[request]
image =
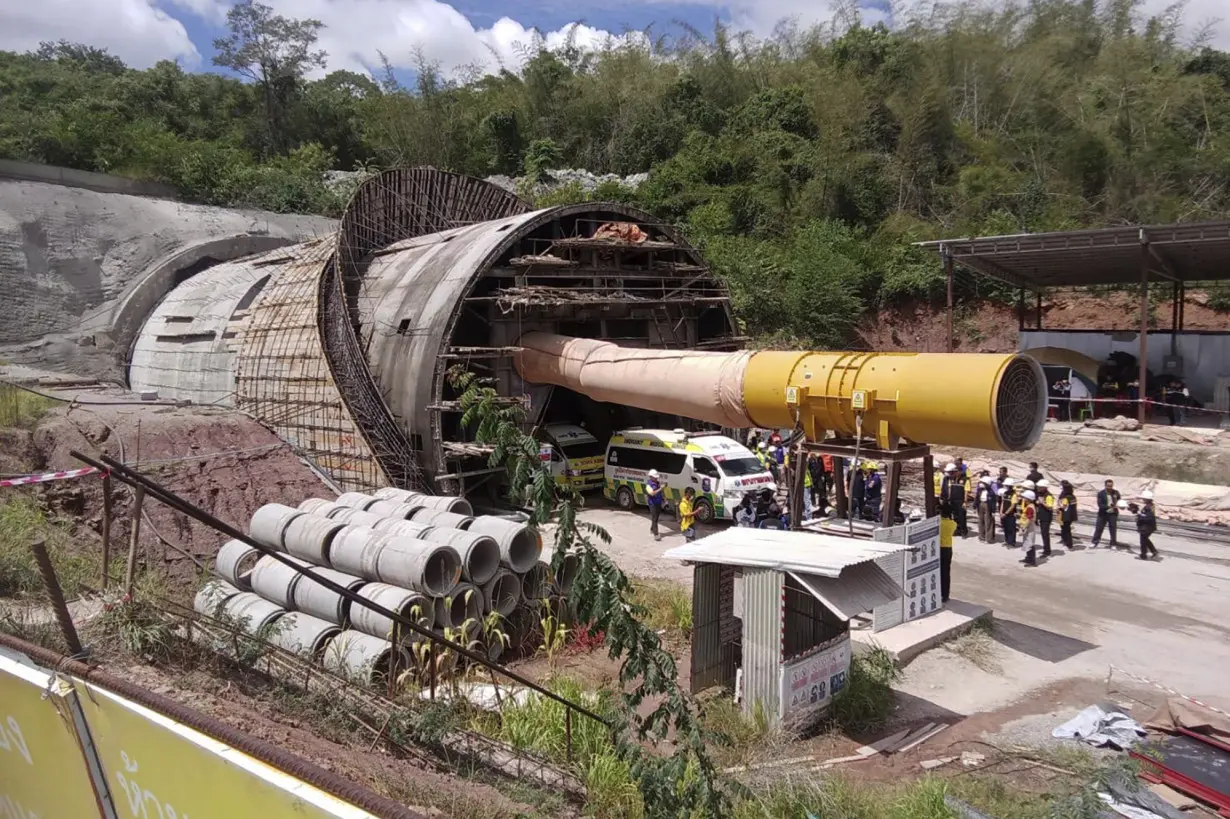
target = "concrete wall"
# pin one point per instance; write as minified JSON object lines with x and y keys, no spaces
{"x":70,"y":258}
{"x":1206,"y":355}
{"x":101,"y":182}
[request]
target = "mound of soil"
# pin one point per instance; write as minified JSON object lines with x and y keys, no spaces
{"x":220,"y":461}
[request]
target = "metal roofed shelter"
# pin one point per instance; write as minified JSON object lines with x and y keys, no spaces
{"x":1176,"y":254}
{"x":792,"y":640}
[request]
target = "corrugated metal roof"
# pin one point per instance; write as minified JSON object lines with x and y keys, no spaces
{"x":859,"y":589}
{"x":806,"y":552}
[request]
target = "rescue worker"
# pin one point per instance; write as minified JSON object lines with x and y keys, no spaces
{"x":986,"y":502}
{"x":1046,"y":514}
{"x":807,"y":486}
{"x":687,"y":514}
{"x":1146,"y":525}
{"x":654,"y":496}
{"x":1034,"y":475}
{"x":1067,"y":513}
{"x":858,"y":486}
{"x":1008,"y":512}
{"x":815,"y":471}
{"x":955,"y":490}
{"x":873,"y":487}
{"x":762,"y":455}
{"x":768,"y":513}
{"x":948,"y":527}
{"x":1108,"y":514}
{"x":1028,"y":522}
{"x":962,"y":467}
{"x":745,"y":512}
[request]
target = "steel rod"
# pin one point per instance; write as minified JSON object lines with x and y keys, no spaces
{"x":65,"y":619}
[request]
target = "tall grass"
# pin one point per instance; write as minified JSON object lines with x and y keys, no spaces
{"x":22,"y":521}
{"x":836,"y":797}
{"x":867,"y":700}
{"x":668,"y":605}
{"x":20,"y":408}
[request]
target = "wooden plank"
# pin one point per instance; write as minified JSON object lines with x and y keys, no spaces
{"x":885,"y":743}
{"x":1172,"y":797}
{"x":922,"y":738}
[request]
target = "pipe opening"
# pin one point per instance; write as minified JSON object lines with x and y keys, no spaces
{"x":1020,"y":404}
{"x":503,"y":593}
{"x":568,"y":569}
{"x":418,"y":610}
{"x":465,"y":603}
{"x":440,"y":571}
{"x":524,"y":549}
{"x":536,"y":583}
{"x":482,"y":560}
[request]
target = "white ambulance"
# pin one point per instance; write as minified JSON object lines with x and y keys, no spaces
{"x":574,"y":456}
{"x":720,"y":469}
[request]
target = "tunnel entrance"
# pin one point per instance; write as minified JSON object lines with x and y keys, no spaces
{"x":602,"y":420}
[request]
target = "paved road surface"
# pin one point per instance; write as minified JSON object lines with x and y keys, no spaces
{"x":1072,"y":617}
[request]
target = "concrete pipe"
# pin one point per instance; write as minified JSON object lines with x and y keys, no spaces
{"x":520,"y":545}
{"x":464,"y":604}
{"x":305,"y":635}
{"x":523,"y":627}
{"x":395,"y":494}
{"x":413,"y":606}
{"x":356,"y":499}
{"x":405,"y":528}
{"x":317,"y":506}
{"x":480,"y":554}
{"x":393,"y":509}
{"x":419,"y":565}
{"x":275,"y":581}
{"x":358,"y":656}
{"x":441,"y":519}
{"x":235,"y":562}
{"x":312,"y":598}
{"x":269,"y":523}
{"x":502,"y":593}
{"x":210,"y":598}
{"x":354,"y":551}
{"x":567,"y":573}
{"x":447,"y":503}
{"x":536,"y":583}
{"x":252,"y":613}
{"x":351,"y":516}
{"x":308,"y":537}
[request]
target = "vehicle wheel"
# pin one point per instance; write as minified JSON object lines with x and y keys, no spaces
{"x":704,"y":511}
{"x":625,"y":498}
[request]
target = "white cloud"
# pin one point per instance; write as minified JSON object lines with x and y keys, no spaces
{"x":134,"y":30}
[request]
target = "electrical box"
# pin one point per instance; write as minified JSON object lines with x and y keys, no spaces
{"x":1173,"y":365}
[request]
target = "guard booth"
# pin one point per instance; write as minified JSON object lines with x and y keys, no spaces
{"x":771,"y":615}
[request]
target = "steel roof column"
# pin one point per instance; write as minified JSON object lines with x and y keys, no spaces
{"x":1144,"y":327}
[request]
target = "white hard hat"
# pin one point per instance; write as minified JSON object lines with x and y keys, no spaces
{"x":1003,"y":490}
{"x":1009,"y":482}
{"x":950,"y":468}
{"x":916,"y":514}
{"x":1043,"y":484}
{"x":1122,"y":504}
{"x":653,"y":473}
{"x":1146,"y":495}
{"x":985,"y":479}
{"x":1027,"y":484}
{"x":1027,"y":495}
{"x":762,"y":445}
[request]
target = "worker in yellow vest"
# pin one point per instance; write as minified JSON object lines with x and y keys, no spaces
{"x":948,"y":528}
{"x":807,"y":484}
{"x":1046,"y":514}
{"x":687,"y":514}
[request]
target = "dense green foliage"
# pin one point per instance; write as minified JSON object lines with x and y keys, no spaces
{"x":803,"y":165}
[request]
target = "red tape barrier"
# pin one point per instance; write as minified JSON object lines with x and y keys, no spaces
{"x":44,"y":477}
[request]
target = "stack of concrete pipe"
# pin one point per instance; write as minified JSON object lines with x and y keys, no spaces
{"x":429,"y":558}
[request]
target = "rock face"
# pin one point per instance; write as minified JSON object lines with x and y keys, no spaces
{"x":567,"y":176}
{"x":71,"y":259}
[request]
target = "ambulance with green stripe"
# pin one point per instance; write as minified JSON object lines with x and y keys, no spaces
{"x":720,"y":469}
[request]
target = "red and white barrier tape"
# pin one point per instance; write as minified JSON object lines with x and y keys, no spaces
{"x":49,"y":476}
{"x":1160,"y":687}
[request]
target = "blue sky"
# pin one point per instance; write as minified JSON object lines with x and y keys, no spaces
{"x":453,"y":33}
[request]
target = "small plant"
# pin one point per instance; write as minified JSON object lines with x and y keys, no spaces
{"x":22,"y":522}
{"x":138,"y":628}
{"x":554,"y":633}
{"x":668,"y":606}
{"x":587,"y":638}
{"x":978,"y":647}
{"x":867,"y":700}
{"x":22,"y":408}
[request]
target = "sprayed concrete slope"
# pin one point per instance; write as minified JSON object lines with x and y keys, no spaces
{"x":81,"y":269}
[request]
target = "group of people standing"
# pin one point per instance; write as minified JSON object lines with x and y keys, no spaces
{"x":1027,"y":510}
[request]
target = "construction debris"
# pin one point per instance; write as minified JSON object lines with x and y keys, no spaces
{"x":932,"y":764}
{"x":922,"y":736}
{"x":972,"y":759}
{"x":1101,"y":725}
{"x":621,"y":232}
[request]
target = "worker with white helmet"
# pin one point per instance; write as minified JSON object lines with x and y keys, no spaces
{"x":1108,"y":514}
{"x":1008,"y":511}
{"x":1028,"y":523}
{"x":1046,"y":513}
{"x":1146,"y":525}
{"x":654,"y":496}
{"x":955,"y":491}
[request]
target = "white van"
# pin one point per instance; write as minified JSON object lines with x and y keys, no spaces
{"x":720,"y":469}
{"x":574,"y":456}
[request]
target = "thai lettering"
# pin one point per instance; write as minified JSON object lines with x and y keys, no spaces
{"x":10,"y":808}
{"x":12,"y":739}
{"x":141,"y":801}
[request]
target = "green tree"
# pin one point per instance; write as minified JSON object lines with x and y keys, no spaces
{"x":275,"y":52}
